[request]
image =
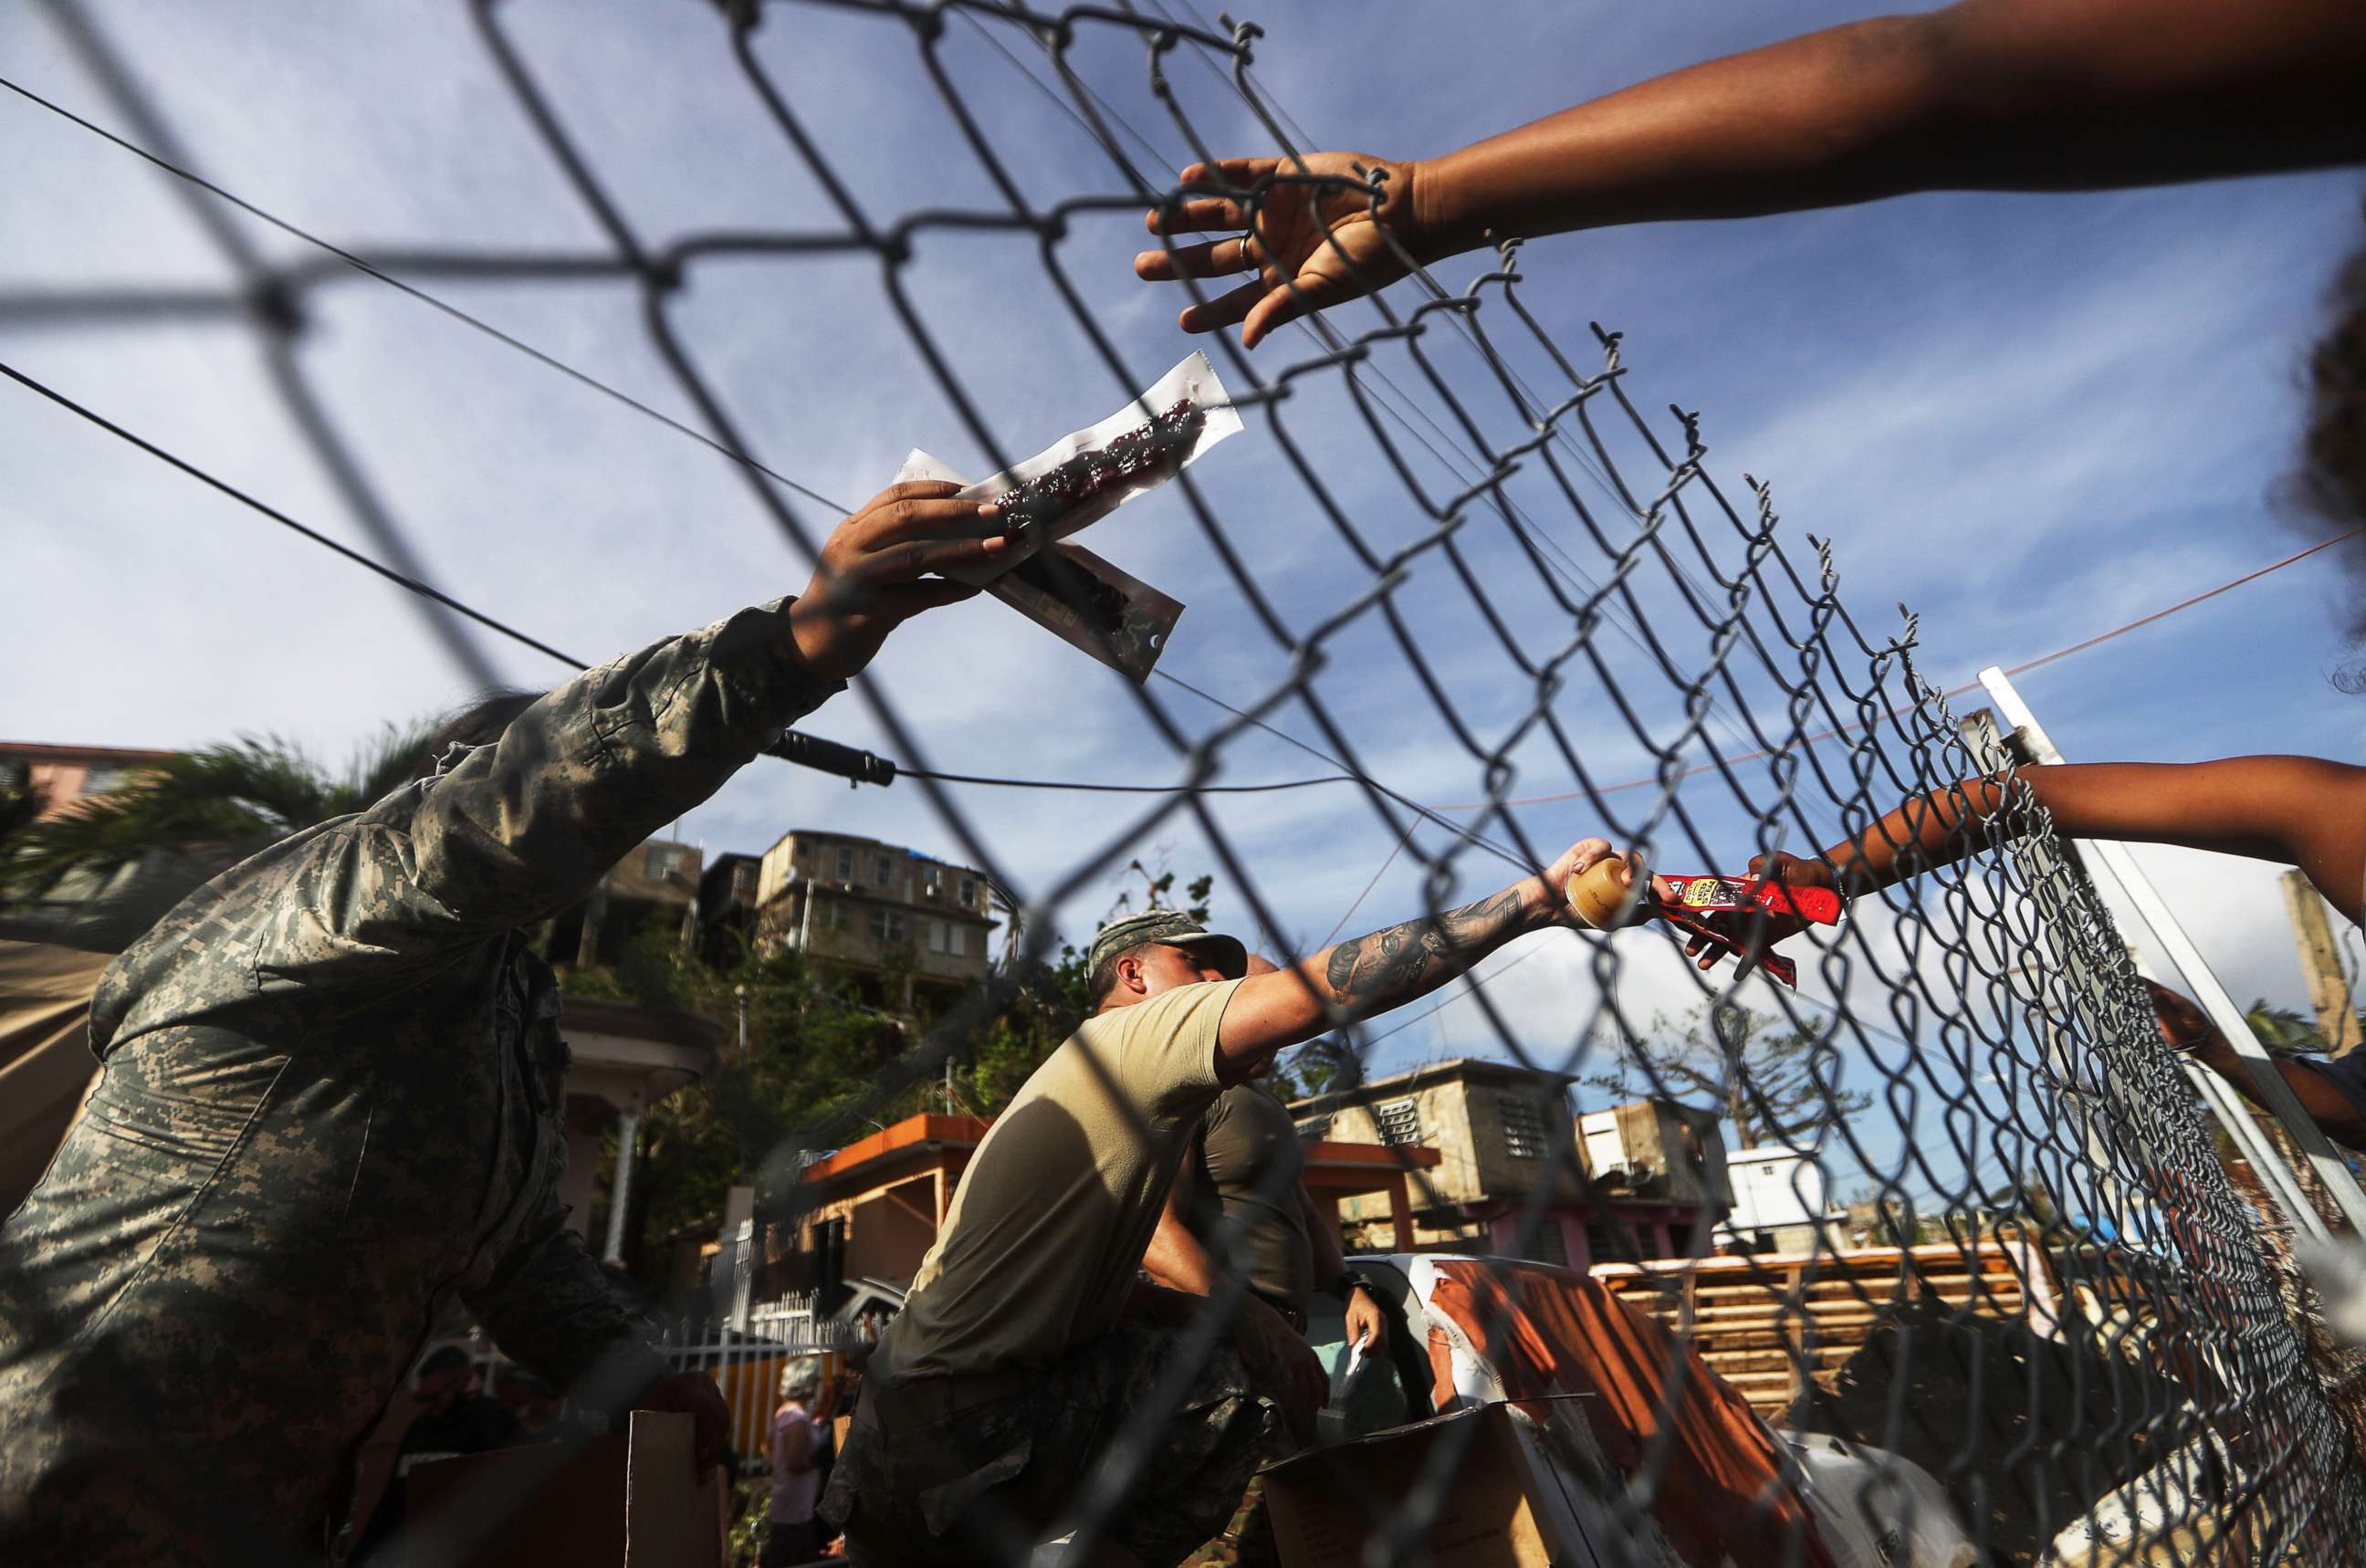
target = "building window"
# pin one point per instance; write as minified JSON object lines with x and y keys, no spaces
{"x":666,"y":861}
{"x":743,"y":881}
{"x":1524,"y":1129}
{"x":835,"y":915}
{"x":936,"y":936}
{"x":886,"y":870}
{"x":886,"y":926}
{"x":957,"y":941}
{"x":969,"y":892}
{"x":101,"y":777}
{"x":932,"y":882}
{"x":845,"y":863}
{"x":1549,"y":1246}
{"x":1399,"y":1121}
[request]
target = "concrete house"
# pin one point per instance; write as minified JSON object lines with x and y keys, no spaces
{"x":894,"y":918}
{"x":1508,"y":1139}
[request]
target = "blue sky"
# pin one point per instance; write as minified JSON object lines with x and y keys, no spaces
{"x":2030,"y":418}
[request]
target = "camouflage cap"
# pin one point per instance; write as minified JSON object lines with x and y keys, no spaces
{"x":1176,"y":929}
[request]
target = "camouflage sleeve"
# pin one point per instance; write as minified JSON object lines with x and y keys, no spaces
{"x":519,"y":831}
{"x":549,"y":1306}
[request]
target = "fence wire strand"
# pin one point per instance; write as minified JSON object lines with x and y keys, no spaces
{"x":1524,"y":511}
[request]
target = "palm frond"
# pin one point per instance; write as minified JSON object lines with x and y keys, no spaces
{"x":242,"y":795}
{"x":381,"y":768}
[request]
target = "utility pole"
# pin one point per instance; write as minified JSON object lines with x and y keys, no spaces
{"x":2320,"y":962}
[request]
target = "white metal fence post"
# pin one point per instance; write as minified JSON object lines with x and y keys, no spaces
{"x":2113,"y":861}
{"x":620,"y":1191}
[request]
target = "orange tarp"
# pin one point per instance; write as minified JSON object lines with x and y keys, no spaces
{"x":1720,"y":1492}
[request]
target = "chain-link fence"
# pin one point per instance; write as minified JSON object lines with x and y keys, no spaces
{"x":2054,"y":1313}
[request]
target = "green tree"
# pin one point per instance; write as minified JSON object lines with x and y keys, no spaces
{"x":1775,"y":1084}
{"x":815,"y":1056}
{"x":807,"y":1076}
{"x":2286,"y":1032}
{"x":221,"y":802}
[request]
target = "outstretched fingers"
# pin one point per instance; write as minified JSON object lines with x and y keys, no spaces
{"x":1211,"y":258}
{"x":1282,"y":306}
{"x":1198,"y":214}
{"x":1226,"y":309}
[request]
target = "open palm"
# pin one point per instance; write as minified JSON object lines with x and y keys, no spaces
{"x":1311,"y":244}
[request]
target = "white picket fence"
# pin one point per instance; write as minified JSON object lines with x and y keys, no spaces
{"x":747,"y":1352}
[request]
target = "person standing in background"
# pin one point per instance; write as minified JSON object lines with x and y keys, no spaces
{"x":793,"y":1531}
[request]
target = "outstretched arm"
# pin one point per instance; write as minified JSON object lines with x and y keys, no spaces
{"x":519,"y":830}
{"x":1369,"y":974}
{"x":2302,"y":811}
{"x":2187,"y":1029}
{"x":2023,"y":95}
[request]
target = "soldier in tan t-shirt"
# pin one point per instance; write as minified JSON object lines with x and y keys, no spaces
{"x":1034,"y":1377}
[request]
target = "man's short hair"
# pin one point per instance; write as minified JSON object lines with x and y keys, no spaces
{"x":800,"y":1380}
{"x":1103,"y":980}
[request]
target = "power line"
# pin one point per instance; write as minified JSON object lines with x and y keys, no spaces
{"x":413,"y":583}
{"x":1125,"y":788}
{"x":1348,"y":775}
{"x":504,"y":628}
{"x":424,"y":297}
{"x":1810,"y":739}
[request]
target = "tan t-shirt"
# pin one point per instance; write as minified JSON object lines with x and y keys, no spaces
{"x":1249,"y":1149}
{"x":1046,"y":1233}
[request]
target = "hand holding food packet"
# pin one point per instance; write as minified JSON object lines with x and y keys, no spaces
{"x":1076,"y":481}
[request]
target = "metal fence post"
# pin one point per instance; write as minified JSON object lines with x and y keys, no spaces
{"x":2114,"y":861}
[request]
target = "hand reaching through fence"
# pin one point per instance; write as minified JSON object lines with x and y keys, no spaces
{"x":2300,"y":812}
{"x":2333,"y":1092}
{"x":2005,"y":95}
{"x":1321,"y":229}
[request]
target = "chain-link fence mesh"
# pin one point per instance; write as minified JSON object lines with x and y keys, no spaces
{"x":2056,"y":1304}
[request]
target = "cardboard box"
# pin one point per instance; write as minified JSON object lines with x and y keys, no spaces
{"x":628,"y":1502}
{"x":1501,"y":1507}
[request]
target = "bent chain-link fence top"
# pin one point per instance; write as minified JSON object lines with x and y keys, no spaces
{"x":1593,"y":635}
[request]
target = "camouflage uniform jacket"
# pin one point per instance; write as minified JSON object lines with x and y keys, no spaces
{"x":331,"y":1097}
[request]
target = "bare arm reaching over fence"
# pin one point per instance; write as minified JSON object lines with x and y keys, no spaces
{"x":2187,"y":1029}
{"x":1997,"y":94}
{"x":2303,"y":811}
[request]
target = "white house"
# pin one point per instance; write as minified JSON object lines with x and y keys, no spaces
{"x":1780,"y":1200}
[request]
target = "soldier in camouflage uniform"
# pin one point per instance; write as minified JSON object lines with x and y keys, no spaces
{"x":331,"y":1097}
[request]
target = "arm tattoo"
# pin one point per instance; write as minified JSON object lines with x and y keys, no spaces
{"x":1371,"y":974}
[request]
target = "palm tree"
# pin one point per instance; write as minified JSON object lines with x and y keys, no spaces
{"x":2286,"y":1032}
{"x":211,"y":806}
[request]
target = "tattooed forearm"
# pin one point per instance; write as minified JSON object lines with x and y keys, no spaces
{"x":1370,"y":974}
